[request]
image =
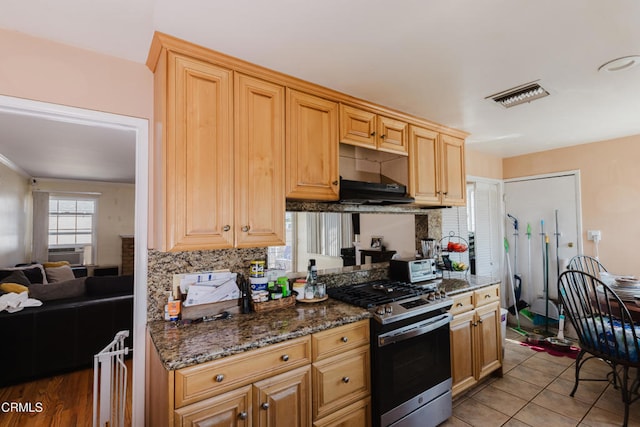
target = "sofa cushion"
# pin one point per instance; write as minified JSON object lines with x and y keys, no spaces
{"x":58,"y":290}
{"x":18,"y":277}
{"x":54,"y":264}
{"x":109,"y":285}
{"x":59,"y":274}
{"x":13,"y":287}
{"x":34,"y":272}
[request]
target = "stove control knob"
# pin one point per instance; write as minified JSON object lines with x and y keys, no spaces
{"x":431,"y":296}
{"x":380,"y":310}
{"x":388,"y":309}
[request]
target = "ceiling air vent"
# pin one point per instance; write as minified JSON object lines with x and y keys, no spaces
{"x":519,"y":95}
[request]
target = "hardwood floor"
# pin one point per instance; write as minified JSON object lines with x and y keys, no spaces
{"x":62,"y":400}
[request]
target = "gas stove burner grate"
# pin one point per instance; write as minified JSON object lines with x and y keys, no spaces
{"x":373,"y":294}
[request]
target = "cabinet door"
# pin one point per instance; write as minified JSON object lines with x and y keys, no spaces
{"x":392,"y":135}
{"x":311,"y":147}
{"x":454,"y":180}
{"x":462,"y":333}
{"x":283,"y":400}
{"x":198,"y":156}
{"x":228,"y":409}
{"x":489,"y":343}
{"x":357,"y":127}
{"x":259,"y":162}
{"x":424,"y":168}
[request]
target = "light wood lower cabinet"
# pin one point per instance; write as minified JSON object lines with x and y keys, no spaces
{"x":320,"y":379}
{"x":476,"y":344}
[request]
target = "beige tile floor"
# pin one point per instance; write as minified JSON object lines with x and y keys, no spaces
{"x":534,"y":391}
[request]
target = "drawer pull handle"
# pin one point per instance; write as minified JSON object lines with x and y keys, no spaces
{"x":265,"y":406}
{"x":345,"y":380}
{"x":219,"y":378}
{"x":285,"y":357}
{"x":345,"y":339}
{"x":226,"y":228}
{"x":459,"y":304}
{"x":242,"y":415}
{"x":487,"y":296}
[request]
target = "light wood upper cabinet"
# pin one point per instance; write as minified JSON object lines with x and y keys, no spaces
{"x":219,"y":164}
{"x":197,"y":155}
{"x":311,"y":147}
{"x":259,"y":162}
{"x":366,"y":129}
{"x":436,"y":168}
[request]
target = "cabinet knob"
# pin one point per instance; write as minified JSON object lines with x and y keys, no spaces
{"x":474,"y":324}
{"x":445,"y":193}
{"x":242,"y":415}
{"x":383,"y":136}
{"x":265,"y":406}
{"x":480,"y":321}
{"x":226,"y":228}
{"x":373,"y":133}
{"x":345,"y":339}
{"x":219,"y":378}
{"x":245,"y":228}
{"x":334,"y":183}
{"x":345,"y":380}
{"x":285,"y":357}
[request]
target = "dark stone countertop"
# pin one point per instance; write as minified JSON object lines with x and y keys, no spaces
{"x":186,"y":345}
{"x":458,"y":286}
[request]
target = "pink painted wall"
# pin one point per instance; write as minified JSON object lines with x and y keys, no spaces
{"x":43,"y":70}
{"x":483,"y":165}
{"x":610,"y":191}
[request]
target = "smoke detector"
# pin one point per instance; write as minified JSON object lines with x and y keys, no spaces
{"x":519,"y":95}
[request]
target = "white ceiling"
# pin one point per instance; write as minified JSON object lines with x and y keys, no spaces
{"x":438,"y":59}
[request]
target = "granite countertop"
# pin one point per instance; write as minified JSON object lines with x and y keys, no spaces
{"x":186,"y":345}
{"x":458,"y":286}
{"x":180,"y":346}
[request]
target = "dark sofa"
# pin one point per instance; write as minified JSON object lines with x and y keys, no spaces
{"x":64,"y":334}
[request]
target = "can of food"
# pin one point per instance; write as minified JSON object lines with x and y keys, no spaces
{"x":256,"y":268}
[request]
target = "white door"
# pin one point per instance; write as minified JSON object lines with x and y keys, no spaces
{"x":532,"y":200}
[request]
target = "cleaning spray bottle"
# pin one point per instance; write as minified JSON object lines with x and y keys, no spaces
{"x":561,"y":324}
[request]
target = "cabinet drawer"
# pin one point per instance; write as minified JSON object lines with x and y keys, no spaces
{"x":340,"y":381}
{"x":338,"y":340}
{"x":201,"y":381}
{"x":487,"y":295}
{"x":355,"y":415}
{"x":462,"y":303}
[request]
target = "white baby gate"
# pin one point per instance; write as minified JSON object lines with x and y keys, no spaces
{"x":110,"y":383}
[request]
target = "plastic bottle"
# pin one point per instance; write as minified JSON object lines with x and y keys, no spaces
{"x":312,"y":279}
{"x":173,"y":307}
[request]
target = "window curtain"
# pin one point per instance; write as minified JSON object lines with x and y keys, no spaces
{"x":328,"y":232}
{"x":40,"y":240}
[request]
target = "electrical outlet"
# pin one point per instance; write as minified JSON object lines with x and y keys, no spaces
{"x":594,"y":235}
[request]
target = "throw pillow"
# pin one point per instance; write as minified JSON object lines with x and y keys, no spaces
{"x":59,"y":274}
{"x":18,"y":277}
{"x":13,"y":287}
{"x":109,"y":285}
{"x":54,"y":264}
{"x":34,"y":272}
{"x":59,"y":290}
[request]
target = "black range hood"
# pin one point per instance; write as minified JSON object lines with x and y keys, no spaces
{"x":372,"y":193}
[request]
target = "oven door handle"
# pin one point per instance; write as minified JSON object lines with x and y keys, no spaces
{"x":411,"y":331}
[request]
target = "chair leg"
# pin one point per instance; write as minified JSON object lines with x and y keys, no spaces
{"x":626,"y":398}
{"x":578,"y":359}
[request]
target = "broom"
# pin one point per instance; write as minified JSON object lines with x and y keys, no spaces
{"x":517,"y":329}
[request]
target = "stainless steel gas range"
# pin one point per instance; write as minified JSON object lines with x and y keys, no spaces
{"x":410,"y":356}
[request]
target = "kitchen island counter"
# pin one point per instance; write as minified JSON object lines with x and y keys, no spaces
{"x":458,"y":286}
{"x":186,"y":345}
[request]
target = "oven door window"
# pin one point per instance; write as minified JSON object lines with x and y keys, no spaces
{"x":407,"y":368}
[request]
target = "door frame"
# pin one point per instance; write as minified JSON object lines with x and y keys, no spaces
{"x":140,"y":126}
{"x":576,"y":174}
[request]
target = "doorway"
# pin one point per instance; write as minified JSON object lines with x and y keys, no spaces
{"x":141,"y":128}
{"x":535,"y":201}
